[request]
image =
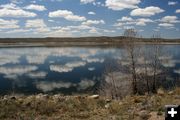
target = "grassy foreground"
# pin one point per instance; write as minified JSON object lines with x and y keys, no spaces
{"x":58,"y":107}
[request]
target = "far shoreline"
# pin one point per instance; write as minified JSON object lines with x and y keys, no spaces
{"x":82,"y":41}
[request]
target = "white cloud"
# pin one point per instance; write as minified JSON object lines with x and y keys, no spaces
{"x":98,"y":4}
{"x":91,"y":13}
{"x":68,"y":15}
{"x":84,"y":84}
{"x":130,"y":21}
{"x":93,"y":31}
{"x":169,"y":63}
{"x":60,"y":68}
{"x":6,"y":58}
{"x":17,"y":1}
{"x":172,"y":3}
{"x":95,"y":22}
{"x":166,"y":25}
{"x":18,"y":31}
{"x":68,"y":67}
{"x":36,"y":59}
{"x":143,"y":21}
{"x":75,"y":64}
{"x":46,"y":86}
{"x":122,"y":4}
{"x":178,"y":11}
{"x":8,"y":24}
{"x":91,"y":68}
{"x":93,"y":60}
{"x":87,"y":1}
{"x":17,"y":69}
{"x":177,"y":71}
{"x":33,"y":1}
{"x":11,"y":10}
{"x":125,"y":19}
{"x":128,"y":27}
{"x":170,"y":19}
{"x":35,"y":7}
{"x":108,"y":31}
{"x":39,"y":74}
{"x":146,"y":12}
{"x":36,"y":23}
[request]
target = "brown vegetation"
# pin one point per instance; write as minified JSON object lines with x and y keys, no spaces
{"x":48,"y":107}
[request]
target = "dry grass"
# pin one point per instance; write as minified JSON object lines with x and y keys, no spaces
{"x":82,"y":108}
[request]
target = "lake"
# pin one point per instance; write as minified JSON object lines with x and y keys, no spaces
{"x":67,"y":70}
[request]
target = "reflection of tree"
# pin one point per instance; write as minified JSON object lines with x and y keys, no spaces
{"x":141,"y":65}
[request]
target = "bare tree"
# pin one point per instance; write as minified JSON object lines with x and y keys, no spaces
{"x":156,"y":61}
{"x":130,"y":47}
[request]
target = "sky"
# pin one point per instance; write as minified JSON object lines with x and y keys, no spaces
{"x":81,"y":18}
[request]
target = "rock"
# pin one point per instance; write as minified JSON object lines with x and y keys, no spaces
{"x":120,"y":103}
{"x":154,"y":116}
{"x":177,"y":96}
{"x":42,"y":97}
{"x":94,"y":96}
{"x":5,"y":97}
{"x":108,"y":100}
{"x":144,"y":114}
{"x":13,"y":98}
{"x":107,"y":106}
{"x":170,"y":93}
{"x":160,"y":92}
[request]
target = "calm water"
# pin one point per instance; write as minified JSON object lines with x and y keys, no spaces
{"x":63,"y":69}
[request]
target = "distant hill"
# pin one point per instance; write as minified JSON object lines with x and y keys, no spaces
{"x":53,"y":41}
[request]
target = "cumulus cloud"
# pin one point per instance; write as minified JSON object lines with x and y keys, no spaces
{"x":17,"y":69}
{"x":75,"y":64}
{"x":91,"y":13}
{"x":94,"y":31}
{"x":95,"y":22}
{"x":18,"y":31}
{"x":11,"y":10}
{"x":39,"y":74}
{"x":125,"y":19}
{"x":172,"y":2}
{"x":68,"y":67}
{"x":60,"y":68}
{"x":143,"y":21}
{"x":130,"y":21}
{"x":87,"y":1}
{"x":91,"y":68}
{"x":84,"y":84}
{"x":169,"y":63}
{"x":35,"y":7}
{"x":8,"y":58}
{"x":91,"y":60}
{"x":36,"y":23}
{"x":38,"y":26}
{"x":9,"y":24}
{"x":170,"y":19}
{"x":122,"y":4}
{"x":178,"y":11}
{"x":36,"y":59}
{"x":68,"y":15}
{"x":146,"y":12}
{"x":46,"y":86}
{"x":17,"y":1}
{"x":177,"y":71}
{"x":140,"y":70}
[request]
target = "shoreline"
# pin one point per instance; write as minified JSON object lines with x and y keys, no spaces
{"x":82,"y":41}
{"x":82,"y":44}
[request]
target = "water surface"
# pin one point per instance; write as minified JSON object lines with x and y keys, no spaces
{"x":67,"y":70}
